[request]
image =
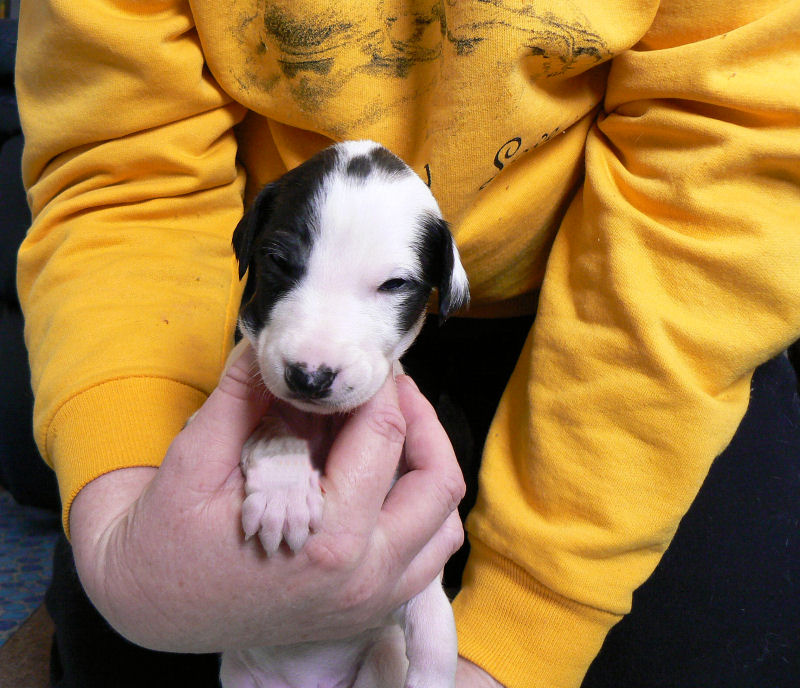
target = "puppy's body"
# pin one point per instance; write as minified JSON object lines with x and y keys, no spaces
{"x":343,"y":253}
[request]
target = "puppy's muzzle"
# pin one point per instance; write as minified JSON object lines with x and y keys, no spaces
{"x":309,"y":384}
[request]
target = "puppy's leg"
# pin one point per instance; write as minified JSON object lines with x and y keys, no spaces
{"x":431,"y":643}
{"x":283,"y":495}
{"x":234,"y":672}
{"x":244,"y":669}
{"x":385,"y":665}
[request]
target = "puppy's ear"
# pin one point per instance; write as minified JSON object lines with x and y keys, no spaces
{"x":452,"y":283}
{"x":252,"y":222}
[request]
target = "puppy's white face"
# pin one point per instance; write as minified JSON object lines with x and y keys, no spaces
{"x":343,"y":253}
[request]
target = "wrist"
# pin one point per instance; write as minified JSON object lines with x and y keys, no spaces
{"x":96,"y":511}
{"x":469,"y":675}
{"x":114,"y":425}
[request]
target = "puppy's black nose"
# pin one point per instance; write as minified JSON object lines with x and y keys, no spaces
{"x":309,"y":384}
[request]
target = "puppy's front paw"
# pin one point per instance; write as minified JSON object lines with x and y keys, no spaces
{"x":283,"y":495}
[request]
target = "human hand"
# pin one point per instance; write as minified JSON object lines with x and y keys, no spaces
{"x":162,"y":555}
{"x":469,"y":675}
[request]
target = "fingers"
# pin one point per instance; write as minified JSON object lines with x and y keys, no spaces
{"x":240,"y":400}
{"x":415,"y":528}
{"x":364,"y":456}
{"x":430,"y":560}
{"x":208,"y":449}
{"x":425,"y":497}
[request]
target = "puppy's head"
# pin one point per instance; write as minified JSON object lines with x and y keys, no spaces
{"x":342,"y":254}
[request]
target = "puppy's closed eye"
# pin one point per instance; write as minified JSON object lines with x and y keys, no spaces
{"x":282,"y":263}
{"x":394,"y":285}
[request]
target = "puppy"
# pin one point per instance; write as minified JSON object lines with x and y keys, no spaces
{"x":343,"y":253}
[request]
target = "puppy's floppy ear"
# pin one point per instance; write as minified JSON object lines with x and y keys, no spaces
{"x":452,"y":283}
{"x":252,"y":222}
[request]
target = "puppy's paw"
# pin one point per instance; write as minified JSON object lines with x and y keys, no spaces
{"x":283,"y":495}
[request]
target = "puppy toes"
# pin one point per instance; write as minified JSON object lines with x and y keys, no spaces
{"x":252,"y":511}
{"x":298,"y":525}
{"x":284,"y":499}
{"x":315,"y":502}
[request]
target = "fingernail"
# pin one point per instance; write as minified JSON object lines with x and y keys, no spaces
{"x":397,"y":370}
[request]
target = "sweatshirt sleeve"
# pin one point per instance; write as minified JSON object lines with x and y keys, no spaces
{"x":126,"y":277}
{"x":673,"y":275}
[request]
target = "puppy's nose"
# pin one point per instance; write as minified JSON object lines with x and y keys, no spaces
{"x":309,"y":384}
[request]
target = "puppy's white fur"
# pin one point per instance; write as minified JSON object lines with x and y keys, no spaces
{"x":342,"y":314}
{"x":337,"y":316}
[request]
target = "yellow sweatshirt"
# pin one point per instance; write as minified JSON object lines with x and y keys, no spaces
{"x":638,"y":161}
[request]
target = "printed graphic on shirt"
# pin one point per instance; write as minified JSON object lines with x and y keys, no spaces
{"x":463,"y":91}
{"x":316,"y":52}
{"x":550,"y":45}
{"x":510,"y":149}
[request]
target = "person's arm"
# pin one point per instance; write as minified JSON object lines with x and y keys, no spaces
{"x":162,"y":555}
{"x":673,"y":276}
{"x":130,"y":294}
{"x":126,"y":277}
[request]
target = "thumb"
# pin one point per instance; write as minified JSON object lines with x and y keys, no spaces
{"x":216,"y":433}
{"x":364,"y":456}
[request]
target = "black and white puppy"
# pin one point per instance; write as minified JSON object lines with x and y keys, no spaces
{"x":342,"y":255}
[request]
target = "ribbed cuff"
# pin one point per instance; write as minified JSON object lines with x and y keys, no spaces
{"x":118,"y":424}
{"x":520,"y":632}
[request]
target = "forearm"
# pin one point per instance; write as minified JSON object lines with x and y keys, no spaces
{"x":126,"y":276}
{"x":94,"y":520}
{"x":469,"y":675}
{"x":672,"y":277}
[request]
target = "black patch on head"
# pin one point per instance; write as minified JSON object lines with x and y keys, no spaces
{"x":360,"y":166}
{"x":388,"y":162}
{"x":379,"y":159}
{"x":273,"y":240}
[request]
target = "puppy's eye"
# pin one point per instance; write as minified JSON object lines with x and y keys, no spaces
{"x":393,"y":285}
{"x":281,"y":262}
